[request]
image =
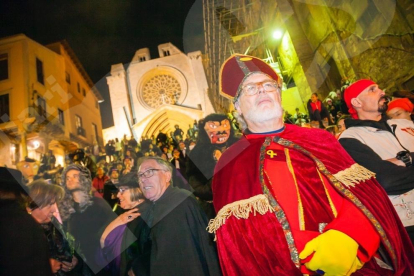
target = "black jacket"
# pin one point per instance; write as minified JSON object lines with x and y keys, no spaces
{"x":23,"y":246}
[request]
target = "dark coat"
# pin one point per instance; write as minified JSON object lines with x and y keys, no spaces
{"x":23,"y":246}
{"x":182,"y":164}
{"x":87,"y":228}
{"x":180,"y":244}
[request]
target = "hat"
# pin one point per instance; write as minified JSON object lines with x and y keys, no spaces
{"x":405,"y":104}
{"x":130,"y":179}
{"x":12,"y":181}
{"x":353,"y":91}
{"x":236,"y":69}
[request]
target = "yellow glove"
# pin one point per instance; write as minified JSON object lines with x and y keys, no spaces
{"x":335,"y":254}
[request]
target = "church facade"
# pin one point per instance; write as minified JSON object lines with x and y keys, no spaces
{"x":149,"y":95}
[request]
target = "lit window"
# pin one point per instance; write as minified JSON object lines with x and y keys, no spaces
{"x":61,"y":117}
{"x":78,"y":121}
{"x":95,"y":131}
{"x":41,"y":107}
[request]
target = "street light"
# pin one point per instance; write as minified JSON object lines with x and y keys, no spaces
{"x":277,"y":34}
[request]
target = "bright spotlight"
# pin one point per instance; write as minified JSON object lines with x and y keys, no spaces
{"x":36,"y":144}
{"x":277,"y":34}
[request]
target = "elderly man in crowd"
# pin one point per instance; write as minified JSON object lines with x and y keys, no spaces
{"x":180,"y":242}
{"x":373,"y":142}
{"x":290,"y":205}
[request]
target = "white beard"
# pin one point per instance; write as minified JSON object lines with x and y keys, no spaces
{"x":257,"y":115}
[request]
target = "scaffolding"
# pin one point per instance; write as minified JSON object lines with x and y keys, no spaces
{"x":235,"y":26}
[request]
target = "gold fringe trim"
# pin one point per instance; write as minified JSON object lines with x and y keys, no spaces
{"x":240,"y":209}
{"x":353,"y":175}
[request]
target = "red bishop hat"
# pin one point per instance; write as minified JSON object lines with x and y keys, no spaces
{"x":237,"y":68}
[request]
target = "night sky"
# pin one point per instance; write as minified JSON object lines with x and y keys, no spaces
{"x":106,"y":32}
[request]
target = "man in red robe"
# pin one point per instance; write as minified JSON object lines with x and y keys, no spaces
{"x":290,"y":200}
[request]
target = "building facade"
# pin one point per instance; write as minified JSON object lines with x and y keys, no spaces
{"x":320,"y":46}
{"x":47,"y":101}
{"x":149,"y":95}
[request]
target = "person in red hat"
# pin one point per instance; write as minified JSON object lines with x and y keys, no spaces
{"x":378,"y":144}
{"x":290,"y":205}
{"x":400,"y":109}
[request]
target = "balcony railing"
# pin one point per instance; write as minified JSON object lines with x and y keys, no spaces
{"x":81,"y":131}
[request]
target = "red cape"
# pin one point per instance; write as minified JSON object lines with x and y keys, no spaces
{"x":261,"y":242}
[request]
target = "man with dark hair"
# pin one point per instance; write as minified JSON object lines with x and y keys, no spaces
{"x":289,"y":206}
{"x":110,"y":189}
{"x":178,"y":133}
{"x":180,"y":243}
{"x":372,"y":141}
{"x":162,"y":137}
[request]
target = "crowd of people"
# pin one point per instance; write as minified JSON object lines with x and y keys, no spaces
{"x":278,"y":200}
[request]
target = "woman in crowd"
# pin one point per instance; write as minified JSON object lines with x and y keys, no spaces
{"x":317,"y":111}
{"x":41,"y":205}
{"x":122,"y":241}
{"x":341,"y":124}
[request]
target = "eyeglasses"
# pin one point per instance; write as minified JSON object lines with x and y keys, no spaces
{"x":122,"y":190}
{"x":252,"y":89}
{"x":147,"y":174}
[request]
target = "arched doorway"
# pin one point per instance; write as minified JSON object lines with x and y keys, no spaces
{"x":167,"y":117}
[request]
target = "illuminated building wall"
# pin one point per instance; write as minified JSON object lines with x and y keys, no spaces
{"x":40,"y":98}
{"x":324,"y":43}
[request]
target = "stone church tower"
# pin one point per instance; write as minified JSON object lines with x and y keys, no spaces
{"x":149,"y":95}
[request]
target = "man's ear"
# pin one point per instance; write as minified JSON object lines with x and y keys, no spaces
{"x":237,"y":107}
{"x":355,"y":102}
{"x":169,"y":176}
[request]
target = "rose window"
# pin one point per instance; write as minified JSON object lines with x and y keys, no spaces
{"x":161,"y":90}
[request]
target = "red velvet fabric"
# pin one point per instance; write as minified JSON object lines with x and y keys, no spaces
{"x":257,"y":245}
{"x":315,"y":202}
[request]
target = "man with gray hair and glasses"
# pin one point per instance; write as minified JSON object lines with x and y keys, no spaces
{"x":290,"y":200}
{"x":180,"y":244}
